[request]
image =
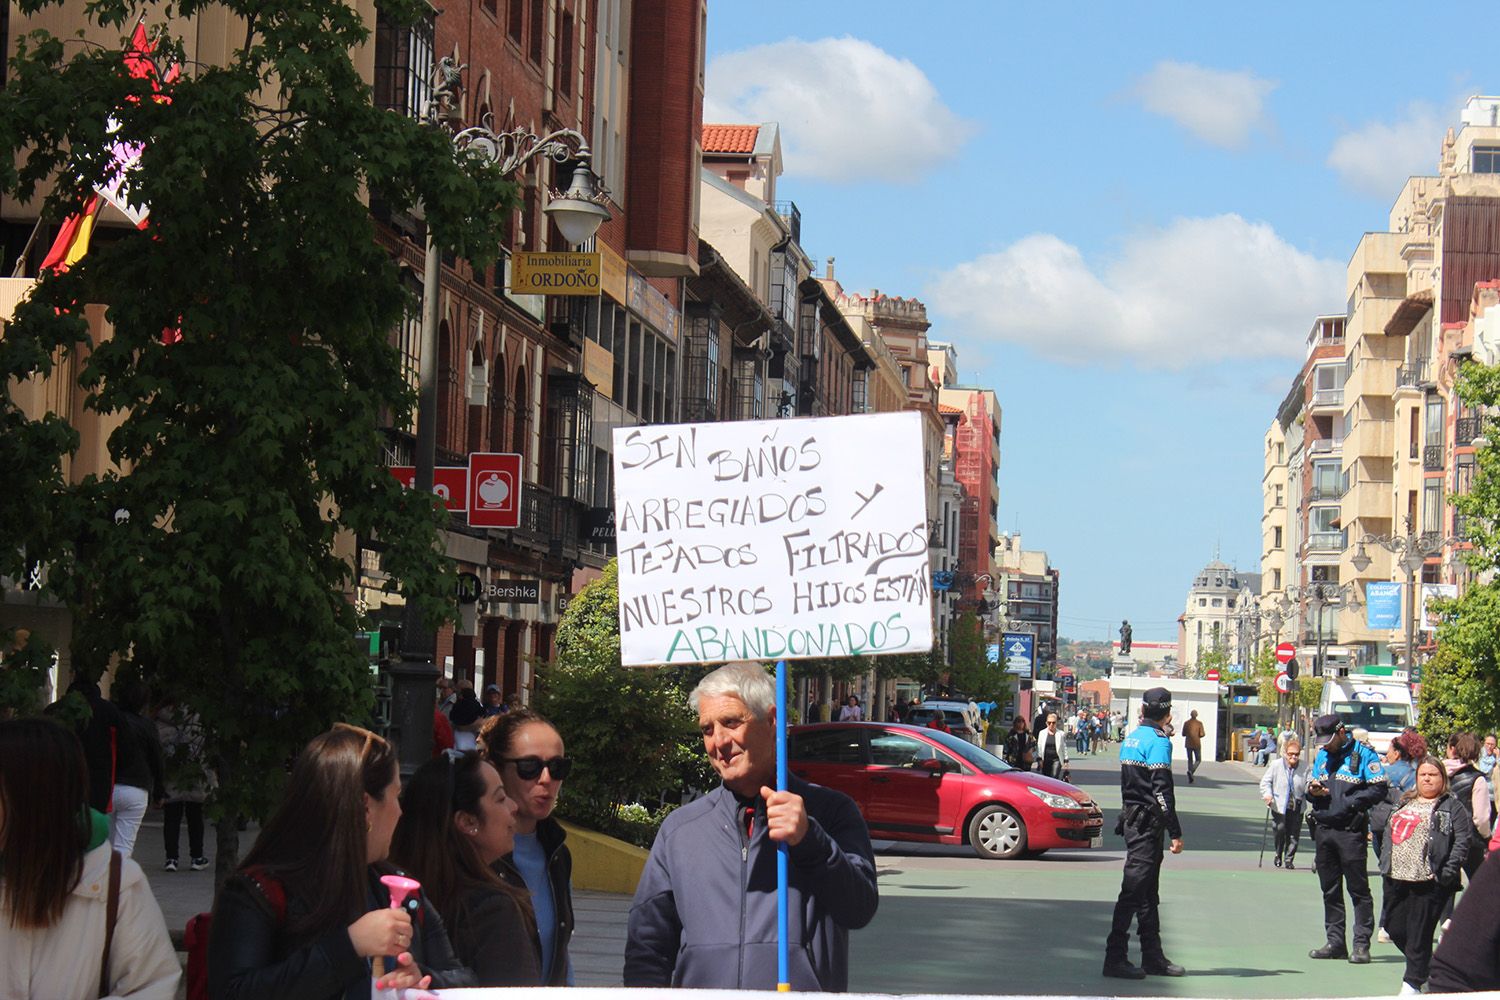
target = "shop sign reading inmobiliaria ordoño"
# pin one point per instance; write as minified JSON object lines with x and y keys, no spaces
{"x":772,"y":539}
{"x":554,"y":273}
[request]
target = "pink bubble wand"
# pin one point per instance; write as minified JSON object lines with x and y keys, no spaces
{"x":401,"y":889}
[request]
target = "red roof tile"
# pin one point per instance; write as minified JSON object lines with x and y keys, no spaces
{"x":730,"y":138}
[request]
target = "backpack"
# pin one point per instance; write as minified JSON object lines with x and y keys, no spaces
{"x":195,"y":936}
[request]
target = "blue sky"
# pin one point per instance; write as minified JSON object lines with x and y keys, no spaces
{"x":1124,"y":216}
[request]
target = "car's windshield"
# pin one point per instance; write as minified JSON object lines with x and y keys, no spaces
{"x":954,"y":720}
{"x":1377,"y":717}
{"x":983,"y":760}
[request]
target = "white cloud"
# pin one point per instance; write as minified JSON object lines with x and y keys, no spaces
{"x":1220,"y":107}
{"x":1198,"y":291}
{"x":1377,"y":158}
{"x":847,"y":109}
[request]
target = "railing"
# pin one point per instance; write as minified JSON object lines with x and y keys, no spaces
{"x":793,"y":218}
{"x":1326,"y":541}
{"x":1328,"y":397}
{"x":1465,"y":430}
{"x":1325,"y":446}
{"x":1432,"y":457}
{"x":1326,"y":492}
{"x":1412,"y":375}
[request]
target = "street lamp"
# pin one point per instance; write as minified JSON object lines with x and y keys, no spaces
{"x":1411,"y":551}
{"x":578,"y":213}
{"x":1320,"y":596}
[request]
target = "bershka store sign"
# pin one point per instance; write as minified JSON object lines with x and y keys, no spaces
{"x":514,"y":591}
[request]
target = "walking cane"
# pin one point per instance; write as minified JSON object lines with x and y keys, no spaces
{"x":1263,"y":828}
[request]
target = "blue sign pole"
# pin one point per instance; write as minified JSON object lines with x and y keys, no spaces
{"x":783,"y":977}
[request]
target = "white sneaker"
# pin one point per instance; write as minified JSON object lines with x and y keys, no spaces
{"x":1383,"y":937}
{"x":1408,"y":990}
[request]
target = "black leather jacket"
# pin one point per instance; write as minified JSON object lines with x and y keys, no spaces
{"x":492,"y":936}
{"x":552,"y":836}
{"x":251,"y":956}
{"x":1447,"y":843}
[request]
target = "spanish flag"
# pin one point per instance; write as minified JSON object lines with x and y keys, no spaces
{"x":73,"y":239}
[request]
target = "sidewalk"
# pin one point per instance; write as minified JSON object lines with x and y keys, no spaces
{"x":598,"y":946}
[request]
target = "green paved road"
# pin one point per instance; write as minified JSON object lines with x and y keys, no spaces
{"x":952,"y":923}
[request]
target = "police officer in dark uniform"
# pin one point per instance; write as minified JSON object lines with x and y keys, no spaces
{"x":1346,"y":780}
{"x":1149,"y":808}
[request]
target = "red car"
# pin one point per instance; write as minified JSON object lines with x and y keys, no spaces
{"x":923,"y":785}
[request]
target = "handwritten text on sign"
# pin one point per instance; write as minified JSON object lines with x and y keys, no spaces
{"x":773,"y":539}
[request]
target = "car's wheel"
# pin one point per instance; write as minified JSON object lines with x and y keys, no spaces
{"x":997,"y":833}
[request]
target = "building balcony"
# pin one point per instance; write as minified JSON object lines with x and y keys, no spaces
{"x":1371,"y":437}
{"x":1365,"y":500}
{"x":1325,"y":446}
{"x":1327,"y":541}
{"x":1412,"y":376}
{"x":792,"y":217}
{"x":1326,"y":491}
{"x":1432,"y":458}
{"x":1327,"y":399}
{"x":1465,"y":430}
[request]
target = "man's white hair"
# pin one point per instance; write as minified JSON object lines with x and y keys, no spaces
{"x":746,"y":680}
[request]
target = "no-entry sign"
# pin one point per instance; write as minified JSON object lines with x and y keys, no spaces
{"x":1285,"y":651}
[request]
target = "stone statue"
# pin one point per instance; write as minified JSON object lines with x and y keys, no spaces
{"x":1125,"y":633}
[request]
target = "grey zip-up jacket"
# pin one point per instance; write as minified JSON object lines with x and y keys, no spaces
{"x":704,"y":914}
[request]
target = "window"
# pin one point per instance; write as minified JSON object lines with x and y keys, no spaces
{"x":1275,"y":579}
{"x":565,"y":55}
{"x":1432,"y":505}
{"x":1202,"y":602}
{"x":896,"y":750}
{"x":827,"y":746}
{"x":1485,"y":160}
{"x":538,"y":32}
{"x":1218,"y":602}
{"x":1433,"y":422}
{"x":1276,"y":538}
{"x":515,"y":17}
{"x":1279,"y":494}
{"x":1463,"y":473}
{"x":1280,"y":452}
{"x":1324,"y":518}
{"x":570,"y":431}
{"x":403,"y":65}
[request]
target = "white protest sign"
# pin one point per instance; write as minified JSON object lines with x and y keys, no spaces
{"x":772,"y":539}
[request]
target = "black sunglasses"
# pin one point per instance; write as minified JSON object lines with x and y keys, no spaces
{"x":530,"y":768}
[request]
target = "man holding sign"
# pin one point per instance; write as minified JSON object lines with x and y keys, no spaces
{"x":704,"y":914}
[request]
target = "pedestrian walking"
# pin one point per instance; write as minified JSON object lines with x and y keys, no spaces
{"x":140,"y":774}
{"x":1284,"y":789}
{"x":851,"y":710}
{"x":188,"y":783}
{"x":1467,"y":784}
{"x":456,"y":822}
{"x":1052,"y":750}
{"x":1192,"y":742}
{"x":100,"y":733}
{"x":465,"y":716}
{"x":447,"y":695}
{"x":1430,"y":835}
{"x":1346,"y":782}
{"x":323,"y":854}
{"x":63,"y":887}
{"x":1148,"y":812}
{"x":1020,"y":748}
{"x":705,"y":913}
{"x":528,"y":752}
{"x":1081,"y":725}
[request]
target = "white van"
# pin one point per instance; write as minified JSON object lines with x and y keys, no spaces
{"x":1380,"y":705}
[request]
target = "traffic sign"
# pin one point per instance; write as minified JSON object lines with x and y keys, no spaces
{"x":1212,"y":675}
{"x":451,"y":482}
{"x":1292,"y":668}
{"x":1283,"y":683}
{"x":494,"y":490}
{"x":1285,"y":651}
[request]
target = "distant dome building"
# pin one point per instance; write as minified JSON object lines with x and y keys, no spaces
{"x":1220,"y":612}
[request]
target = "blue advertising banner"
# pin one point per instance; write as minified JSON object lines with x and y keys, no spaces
{"x":993,"y":653}
{"x":1020,"y":652}
{"x":1383,"y":604}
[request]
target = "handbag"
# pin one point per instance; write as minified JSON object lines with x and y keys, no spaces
{"x":111,"y":916}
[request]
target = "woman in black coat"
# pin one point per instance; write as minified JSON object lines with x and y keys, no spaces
{"x":306,"y":916}
{"x":1020,"y":747}
{"x":1429,"y":836}
{"x":456,"y":822}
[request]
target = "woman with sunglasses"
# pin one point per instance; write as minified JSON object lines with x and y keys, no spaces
{"x":456,"y":822}
{"x":528,"y":753}
{"x":306,"y":915}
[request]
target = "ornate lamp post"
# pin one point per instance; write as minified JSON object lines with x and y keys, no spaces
{"x":578,"y":213}
{"x":1411,"y":551}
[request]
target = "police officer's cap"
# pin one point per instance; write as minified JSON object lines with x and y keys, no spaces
{"x":1157,"y":699}
{"x":1324,"y":727}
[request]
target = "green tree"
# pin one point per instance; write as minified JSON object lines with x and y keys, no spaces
{"x":209,"y":564}
{"x":1461,"y":681}
{"x":629,"y":728}
{"x":970,"y":671}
